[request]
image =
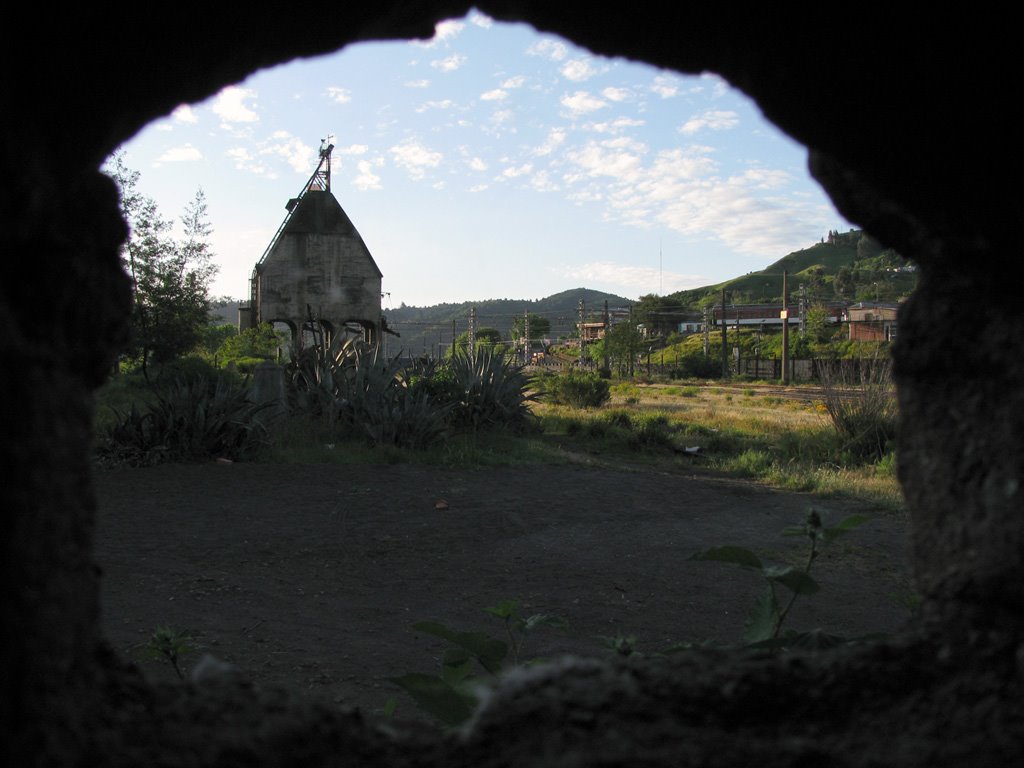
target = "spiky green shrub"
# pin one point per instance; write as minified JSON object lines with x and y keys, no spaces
{"x":494,"y":392}
{"x":353,"y":388}
{"x":191,"y":420}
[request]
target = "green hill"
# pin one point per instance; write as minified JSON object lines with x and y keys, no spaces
{"x":429,"y":327}
{"x":850,"y":267}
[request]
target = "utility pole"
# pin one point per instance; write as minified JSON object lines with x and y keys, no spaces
{"x":472,"y":333}
{"x":784,"y":315}
{"x":526,"y":337}
{"x":453,"y":338}
{"x":707,"y":330}
{"x":582,"y":311}
{"x":606,"y":365}
{"x":725,"y":341}
{"x":632,"y":330}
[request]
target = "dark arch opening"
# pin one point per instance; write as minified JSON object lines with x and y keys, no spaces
{"x":960,"y":391}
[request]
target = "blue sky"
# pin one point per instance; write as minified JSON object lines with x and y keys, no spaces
{"x":495,"y":162}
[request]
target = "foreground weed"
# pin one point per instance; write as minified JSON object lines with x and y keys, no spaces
{"x":170,"y":644}
{"x":764,"y":623}
{"x":451,"y":696}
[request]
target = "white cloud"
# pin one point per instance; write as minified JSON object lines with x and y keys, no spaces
{"x":549,"y":49}
{"x":496,"y":95}
{"x":447,"y":30}
{"x":665,"y":86}
{"x":511,"y":173}
{"x":427,"y":105}
{"x":229,"y":105}
{"x":184,"y":154}
{"x":556,"y":137}
{"x":450,"y":63}
{"x":615,"y":94}
{"x":480,"y":20}
{"x":339,"y":95}
{"x":367,"y":179}
{"x":244,"y":161}
{"x":502,"y":116}
{"x":417,"y":84}
{"x":514,"y":82}
{"x":353,"y":149}
{"x":294,"y":151}
{"x":578,"y":70}
{"x":616,"y":162}
{"x":632,"y":279}
{"x":185,"y":114}
{"x":542,"y":182}
{"x":582,"y":102}
{"x":713,"y":120}
{"x":616,"y":126}
{"x":479,"y":188}
{"x":477,"y":164}
{"x":415,"y":158}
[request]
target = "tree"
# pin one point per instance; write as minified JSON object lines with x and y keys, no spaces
{"x":540,"y":327}
{"x":170,"y":278}
{"x":486,"y":338}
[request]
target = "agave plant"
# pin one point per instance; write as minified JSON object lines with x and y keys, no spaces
{"x":494,"y":391}
{"x":192,"y":419}
{"x":352,"y":386}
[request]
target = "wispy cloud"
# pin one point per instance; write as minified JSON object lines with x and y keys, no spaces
{"x":582,"y":102}
{"x":549,"y":49}
{"x":555,"y":138}
{"x":417,"y":84}
{"x":245,"y":161}
{"x":444,"y":31}
{"x":512,"y":173}
{"x":441,"y":104}
{"x":294,"y":151}
{"x":617,"y":125}
{"x":339,"y":95}
{"x":630,"y":279}
{"x":230,"y":105}
{"x":497,"y":94}
{"x":415,"y":158}
{"x":449,"y":63}
{"x":616,"y":94}
{"x":712,"y":120}
{"x":184,"y":154}
{"x":366,"y":178}
{"x":665,"y":86}
{"x":578,"y":70}
{"x":480,"y":20}
{"x":185,"y":114}
{"x":477,"y":164}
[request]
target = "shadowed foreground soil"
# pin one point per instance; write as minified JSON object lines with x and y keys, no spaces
{"x":311,"y":576}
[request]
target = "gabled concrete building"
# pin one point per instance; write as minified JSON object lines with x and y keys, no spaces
{"x":317,"y":272}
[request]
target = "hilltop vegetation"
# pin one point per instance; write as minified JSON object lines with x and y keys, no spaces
{"x":849,"y":266}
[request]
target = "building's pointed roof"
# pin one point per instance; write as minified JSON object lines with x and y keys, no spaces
{"x":319,"y":212}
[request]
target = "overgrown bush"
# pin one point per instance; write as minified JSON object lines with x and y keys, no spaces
{"x":860,"y":399}
{"x":193,"y":419}
{"x":576,"y":389}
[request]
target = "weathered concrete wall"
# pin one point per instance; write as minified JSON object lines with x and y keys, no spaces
{"x":320,"y":262}
{"x":910,"y":131}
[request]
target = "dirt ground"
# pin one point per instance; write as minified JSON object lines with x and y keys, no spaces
{"x":312,"y":576}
